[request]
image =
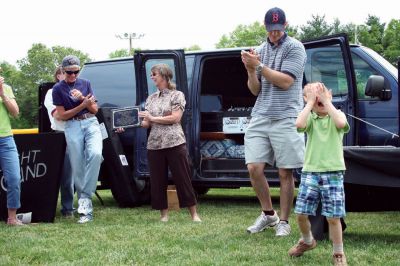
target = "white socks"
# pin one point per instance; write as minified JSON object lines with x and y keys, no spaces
{"x":338,"y":248}
{"x":307,"y":238}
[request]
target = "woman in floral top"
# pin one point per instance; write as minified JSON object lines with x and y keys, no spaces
{"x":166,"y":146}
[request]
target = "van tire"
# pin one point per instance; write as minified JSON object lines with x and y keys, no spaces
{"x":201,"y":190}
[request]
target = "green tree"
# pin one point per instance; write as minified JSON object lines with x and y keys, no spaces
{"x":60,"y":52}
{"x":119,"y":53}
{"x":349,"y":29}
{"x":39,"y":64}
{"x":123,"y":53}
{"x":292,"y":31}
{"x":37,"y":67}
{"x":315,"y":28}
{"x":391,"y":41}
{"x":194,"y":47}
{"x":243,"y":35}
{"x":15,"y":79}
{"x":371,"y":34}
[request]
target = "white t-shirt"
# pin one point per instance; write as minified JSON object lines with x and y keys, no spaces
{"x":48,"y":102}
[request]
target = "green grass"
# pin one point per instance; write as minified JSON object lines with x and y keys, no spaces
{"x":136,"y":237}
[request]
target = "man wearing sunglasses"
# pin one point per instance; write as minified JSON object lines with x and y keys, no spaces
{"x":76,"y":104}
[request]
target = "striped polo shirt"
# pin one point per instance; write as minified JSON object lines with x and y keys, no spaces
{"x":288,"y":57}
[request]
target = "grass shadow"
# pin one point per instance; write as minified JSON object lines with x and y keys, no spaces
{"x":373,"y":238}
{"x":233,"y":199}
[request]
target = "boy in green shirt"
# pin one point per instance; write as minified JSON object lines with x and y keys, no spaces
{"x":322,"y":174}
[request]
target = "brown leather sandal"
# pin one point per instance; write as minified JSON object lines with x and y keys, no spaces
{"x":15,"y":222}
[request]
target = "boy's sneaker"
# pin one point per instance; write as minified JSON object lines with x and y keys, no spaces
{"x":263,"y":221}
{"x":339,"y":260}
{"x":301,"y":247}
{"x":282,"y":229}
{"x":85,"y":218}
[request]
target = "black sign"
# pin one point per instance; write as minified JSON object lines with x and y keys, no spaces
{"x":125,"y":117}
{"x":41,"y":159}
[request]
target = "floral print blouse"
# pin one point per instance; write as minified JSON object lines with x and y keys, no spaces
{"x":162,"y":103}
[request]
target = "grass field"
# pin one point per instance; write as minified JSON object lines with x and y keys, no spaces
{"x":136,"y":237}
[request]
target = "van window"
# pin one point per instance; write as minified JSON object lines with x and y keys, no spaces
{"x":189,"y":60}
{"x":363,"y":71}
{"x":326,"y":65}
{"x":149,"y":64}
{"x":113,"y":83}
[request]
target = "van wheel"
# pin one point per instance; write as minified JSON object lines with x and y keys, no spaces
{"x":127,"y":197}
{"x":201,"y":190}
{"x":145,"y":192}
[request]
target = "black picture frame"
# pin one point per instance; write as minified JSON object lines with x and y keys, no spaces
{"x":125,"y":117}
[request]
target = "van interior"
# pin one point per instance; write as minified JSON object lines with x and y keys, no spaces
{"x":225,"y":108}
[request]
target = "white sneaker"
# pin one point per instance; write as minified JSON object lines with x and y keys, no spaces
{"x":282,"y":229}
{"x":85,"y":218}
{"x":85,"y":206}
{"x":263,"y":221}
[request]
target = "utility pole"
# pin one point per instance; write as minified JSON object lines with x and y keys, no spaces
{"x":356,"y":34}
{"x":130,"y":37}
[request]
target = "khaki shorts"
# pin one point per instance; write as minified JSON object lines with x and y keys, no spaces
{"x":274,"y":141}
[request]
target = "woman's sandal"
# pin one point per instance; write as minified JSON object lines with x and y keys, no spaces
{"x":15,"y":222}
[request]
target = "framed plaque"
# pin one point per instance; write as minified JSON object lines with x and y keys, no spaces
{"x":125,"y":117}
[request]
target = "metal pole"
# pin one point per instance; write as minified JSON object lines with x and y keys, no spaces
{"x":355,"y":35}
{"x":130,"y":43}
{"x":130,"y":37}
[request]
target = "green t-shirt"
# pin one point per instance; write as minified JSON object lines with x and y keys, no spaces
{"x":324,"y":148}
{"x":5,"y":124}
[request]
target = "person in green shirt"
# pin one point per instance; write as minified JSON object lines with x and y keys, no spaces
{"x":9,"y":161}
{"x":323,"y":169}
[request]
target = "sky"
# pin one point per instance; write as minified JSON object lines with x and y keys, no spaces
{"x":92,"y":26}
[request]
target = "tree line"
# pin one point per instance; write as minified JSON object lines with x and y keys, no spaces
{"x":39,"y":64}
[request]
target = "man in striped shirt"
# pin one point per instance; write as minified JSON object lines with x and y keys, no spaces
{"x":275,"y":75}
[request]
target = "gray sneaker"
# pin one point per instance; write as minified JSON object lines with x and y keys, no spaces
{"x":263,"y":221}
{"x":282,"y":229}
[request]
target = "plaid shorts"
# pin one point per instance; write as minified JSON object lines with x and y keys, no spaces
{"x":324,"y":186}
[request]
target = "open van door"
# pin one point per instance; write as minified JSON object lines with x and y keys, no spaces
{"x":144,"y":60}
{"x":329,"y":61}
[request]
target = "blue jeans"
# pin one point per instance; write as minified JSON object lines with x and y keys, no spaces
{"x":67,"y":186}
{"x":9,"y":163}
{"x":85,"y":145}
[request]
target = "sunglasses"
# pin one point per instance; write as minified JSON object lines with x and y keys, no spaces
{"x":72,"y":72}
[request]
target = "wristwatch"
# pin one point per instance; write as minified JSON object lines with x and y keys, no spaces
{"x":259,"y":67}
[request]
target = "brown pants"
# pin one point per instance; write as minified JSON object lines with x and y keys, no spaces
{"x":176,"y":158}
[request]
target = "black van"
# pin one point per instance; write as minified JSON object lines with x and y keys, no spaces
{"x":217,"y":110}
{"x":219,"y":106}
